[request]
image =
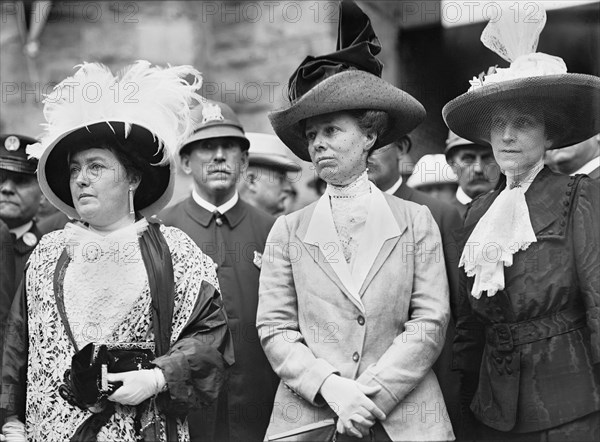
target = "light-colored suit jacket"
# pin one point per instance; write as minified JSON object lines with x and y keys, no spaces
{"x":381,"y":324}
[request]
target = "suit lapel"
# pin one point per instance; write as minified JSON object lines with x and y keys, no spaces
{"x":377,"y":240}
{"x":321,"y":239}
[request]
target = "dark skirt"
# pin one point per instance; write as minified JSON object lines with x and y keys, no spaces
{"x":584,"y":429}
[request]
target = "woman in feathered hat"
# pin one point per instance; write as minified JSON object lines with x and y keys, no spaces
{"x":115,"y":277}
{"x":528,"y":321}
{"x":353,"y":298}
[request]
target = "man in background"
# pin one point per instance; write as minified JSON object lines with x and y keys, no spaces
{"x":432,"y":175}
{"x":266,"y":184}
{"x":581,"y":158}
{"x":20,"y":197}
{"x":475,"y":168}
{"x":233,"y":234}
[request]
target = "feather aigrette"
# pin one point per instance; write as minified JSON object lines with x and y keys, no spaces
{"x":157,"y":98}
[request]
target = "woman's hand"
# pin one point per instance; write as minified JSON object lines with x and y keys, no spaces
{"x":350,"y":401}
{"x":13,"y":430}
{"x":137,"y":385}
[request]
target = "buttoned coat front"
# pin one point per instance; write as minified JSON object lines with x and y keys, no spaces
{"x":535,"y":345}
{"x":234,"y":245}
{"x":383,"y":324}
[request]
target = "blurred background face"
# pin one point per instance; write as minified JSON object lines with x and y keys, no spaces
{"x":291,"y":196}
{"x":518,"y":139}
{"x":475,"y":168}
{"x":338,"y":147}
{"x":46,"y":208}
{"x":440,"y":191}
{"x":572,"y":158}
{"x":20,"y":197}
{"x":383,"y":165}
{"x":268,"y":189}
{"x":216,"y":165}
{"x":99,"y":187}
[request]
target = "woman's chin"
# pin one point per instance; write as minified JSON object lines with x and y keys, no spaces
{"x":87,"y":214}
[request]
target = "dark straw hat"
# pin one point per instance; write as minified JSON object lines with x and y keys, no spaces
{"x":348,"y":79}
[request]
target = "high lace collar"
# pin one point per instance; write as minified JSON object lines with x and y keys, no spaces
{"x":526,"y":179}
{"x":358,"y":187}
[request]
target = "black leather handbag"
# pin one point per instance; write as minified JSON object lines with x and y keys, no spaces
{"x":85,"y":384}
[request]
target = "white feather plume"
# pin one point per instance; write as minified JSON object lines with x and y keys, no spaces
{"x":157,"y":98}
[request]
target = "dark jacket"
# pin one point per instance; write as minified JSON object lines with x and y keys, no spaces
{"x":7,"y":267}
{"x":535,"y":346}
{"x":449,"y":221}
{"x":245,"y":405}
{"x":17,"y":252}
{"x":23,"y":248}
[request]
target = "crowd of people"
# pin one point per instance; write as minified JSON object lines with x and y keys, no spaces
{"x":461,"y":301}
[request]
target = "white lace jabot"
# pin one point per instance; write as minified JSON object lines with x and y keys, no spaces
{"x":500,"y":233}
{"x":349,"y":208}
{"x":104,"y":279}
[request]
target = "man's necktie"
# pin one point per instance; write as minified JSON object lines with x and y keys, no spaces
{"x":218,"y":218}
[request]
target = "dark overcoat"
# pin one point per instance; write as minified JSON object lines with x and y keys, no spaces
{"x":235,"y":243}
{"x":18,"y":252}
{"x":535,"y":346}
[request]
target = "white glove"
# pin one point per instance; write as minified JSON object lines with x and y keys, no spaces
{"x":13,"y":431}
{"x":138,"y":385}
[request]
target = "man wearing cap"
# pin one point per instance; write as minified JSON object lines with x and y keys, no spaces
{"x":266,"y":184}
{"x":475,"y":167}
{"x":384,"y":167}
{"x":433,"y":176}
{"x":20,"y":197}
{"x":233,"y":234}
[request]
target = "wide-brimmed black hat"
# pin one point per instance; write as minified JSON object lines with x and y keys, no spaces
{"x":157,"y":181}
{"x":147,"y":126}
{"x":348,"y":79}
{"x":13,"y":155}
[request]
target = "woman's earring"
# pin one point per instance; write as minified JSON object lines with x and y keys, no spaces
{"x":131,"y":208}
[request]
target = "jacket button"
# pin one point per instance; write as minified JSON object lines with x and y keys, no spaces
{"x":355,"y":357}
{"x":219,"y":222}
{"x":361,"y":320}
